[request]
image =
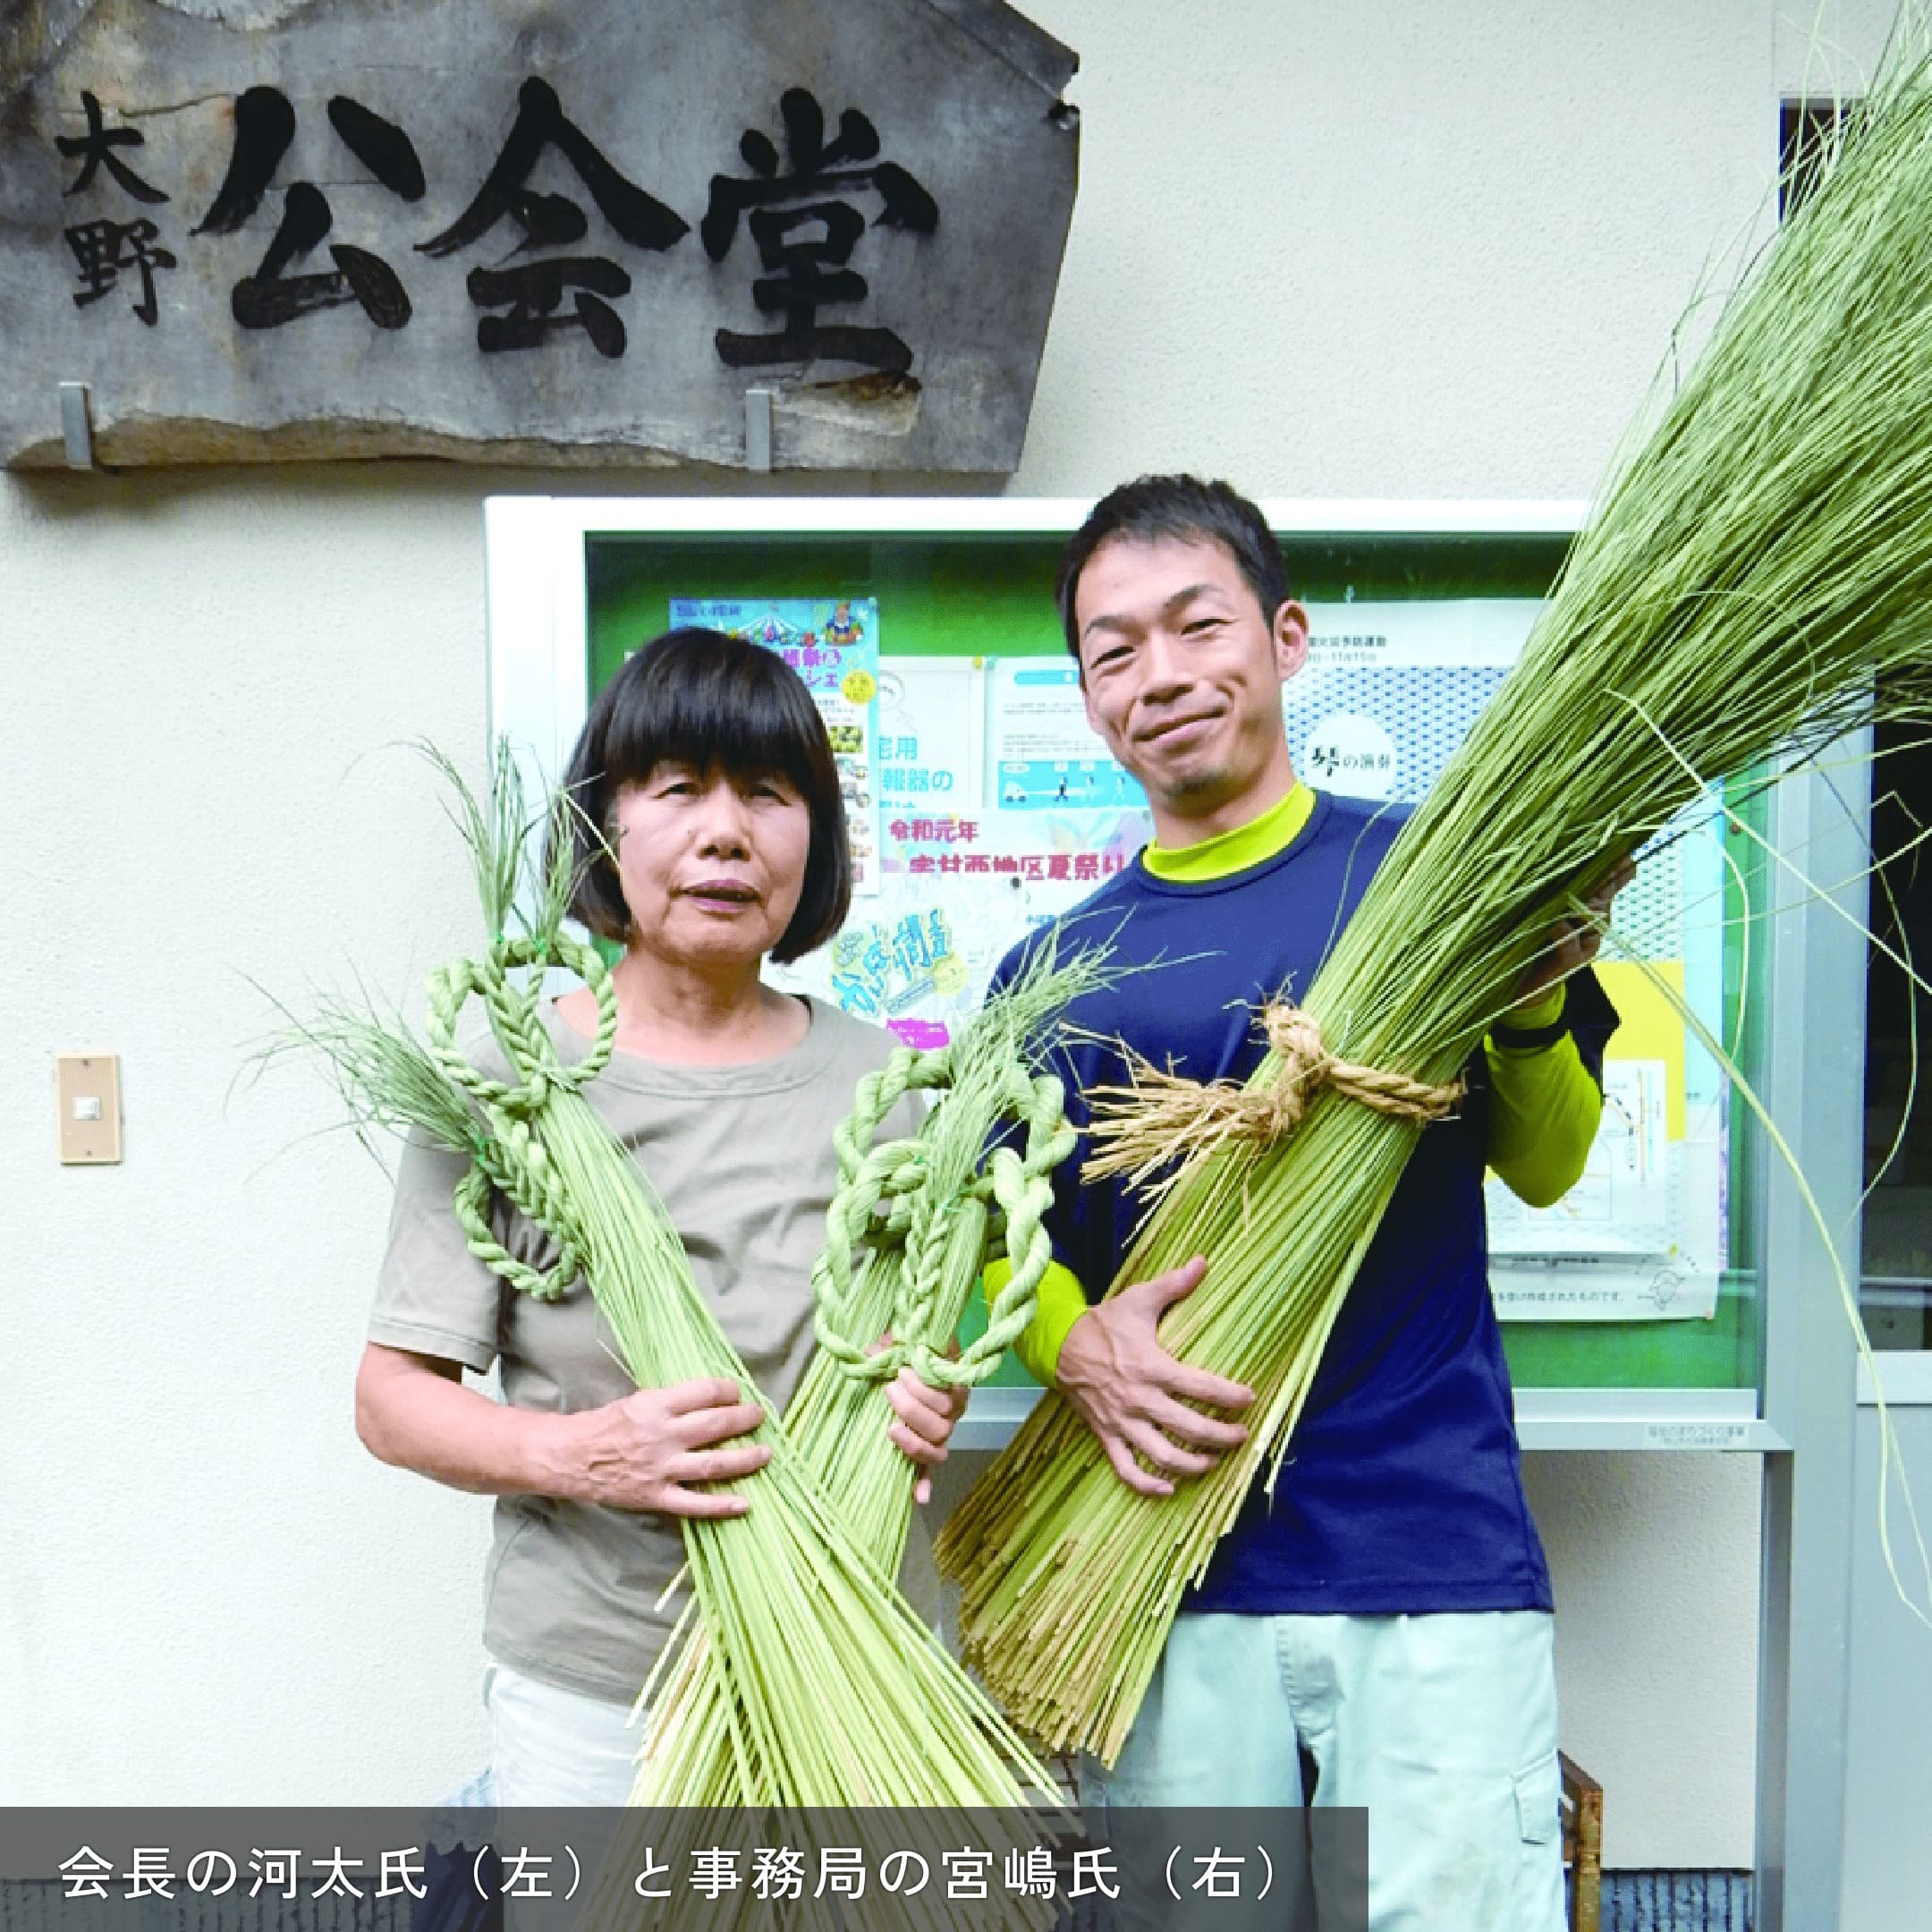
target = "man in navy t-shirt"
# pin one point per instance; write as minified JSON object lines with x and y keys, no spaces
{"x":1384,"y":1621}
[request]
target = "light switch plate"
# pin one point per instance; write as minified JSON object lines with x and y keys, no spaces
{"x":87,"y":1090}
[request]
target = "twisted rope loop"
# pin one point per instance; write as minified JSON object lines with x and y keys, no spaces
{"x":890,"y":1195}
{"x":1140,"y":1128}
{"x":510,"y":1155}
{"x":1296,"y":1041}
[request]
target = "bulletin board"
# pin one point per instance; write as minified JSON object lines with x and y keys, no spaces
{"x":1632,"y":1315}
{"x":964,"y":622}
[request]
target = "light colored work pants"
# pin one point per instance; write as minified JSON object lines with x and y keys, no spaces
{"x":1444,"y":1727}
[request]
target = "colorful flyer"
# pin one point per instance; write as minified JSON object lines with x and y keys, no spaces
{"x":914,"y":959}
{"x":832,"y":643}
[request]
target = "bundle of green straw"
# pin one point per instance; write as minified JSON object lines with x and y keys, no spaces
{"x":834,"y":1693}
{"x":906,"y":1238}
{"x":907,"y":1272}
{"x":1757,"y":566}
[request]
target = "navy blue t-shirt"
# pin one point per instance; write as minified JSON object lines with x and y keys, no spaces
{"x":1402,"y":1489}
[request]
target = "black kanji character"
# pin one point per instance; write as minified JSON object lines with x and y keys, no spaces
{"x":95,"y":148}
{"x":264,"y":301}
{"x":641,"y":219}
{"x":811,"y":270}
{"x":104,"y":249}
{"x":535,"y":289}
{"x":264,"y":129}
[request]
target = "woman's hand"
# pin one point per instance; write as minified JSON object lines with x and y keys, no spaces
{"x":923,"y":1417}
{"x":647,"y":1451}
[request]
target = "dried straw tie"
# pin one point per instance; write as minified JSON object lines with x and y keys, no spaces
{"x":1143,"y":1127}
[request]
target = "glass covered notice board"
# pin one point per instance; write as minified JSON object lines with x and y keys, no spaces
{"x":982,"y":804}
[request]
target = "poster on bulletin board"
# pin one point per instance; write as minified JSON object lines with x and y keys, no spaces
{"x":1045,"y":756}
{"x":962,"y":877}
{"x":1000,"y":809}
{"x":1390,"y":690}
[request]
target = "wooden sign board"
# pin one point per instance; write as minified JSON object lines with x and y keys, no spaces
{"x":529,"y":230}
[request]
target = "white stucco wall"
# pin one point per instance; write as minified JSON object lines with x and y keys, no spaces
{"x":1391,"y":250}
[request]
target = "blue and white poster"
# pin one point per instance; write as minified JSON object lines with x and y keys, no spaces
{"x":1390,"y":690}
{"x":1045,"y":756}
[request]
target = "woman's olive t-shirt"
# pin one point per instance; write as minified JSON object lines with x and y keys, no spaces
{"x":742,"y":1159}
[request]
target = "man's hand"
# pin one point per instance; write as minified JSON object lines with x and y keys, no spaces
{"x":1133,"y":1394}
{"x":1572,"y":944}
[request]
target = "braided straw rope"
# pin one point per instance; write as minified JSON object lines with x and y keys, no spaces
{"x":1140,"y":1128}
{"x":896,"y":1175}
{"x":886,"y":1192}
{"x":510,"y":1158}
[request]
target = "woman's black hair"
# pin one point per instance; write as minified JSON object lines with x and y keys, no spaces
{"x":715,"y":703}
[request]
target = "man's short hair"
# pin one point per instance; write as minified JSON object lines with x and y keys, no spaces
{"x":715,"y":703}
{"x":1185,"y":508}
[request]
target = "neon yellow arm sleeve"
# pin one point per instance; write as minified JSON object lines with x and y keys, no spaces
{"x":1544,"y":1108}
{"x":1061,"y":1304}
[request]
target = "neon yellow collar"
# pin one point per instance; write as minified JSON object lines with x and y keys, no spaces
{"x":1246,"y":846}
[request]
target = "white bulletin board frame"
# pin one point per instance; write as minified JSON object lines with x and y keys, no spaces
{"x":538,"y":647}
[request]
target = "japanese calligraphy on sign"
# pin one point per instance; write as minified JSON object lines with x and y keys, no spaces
{"x":515,"y":232}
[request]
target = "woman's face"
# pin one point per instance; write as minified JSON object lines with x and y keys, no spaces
{"x":711,"y":864}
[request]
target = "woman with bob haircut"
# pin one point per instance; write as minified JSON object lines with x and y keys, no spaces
{"x":706,"y":766}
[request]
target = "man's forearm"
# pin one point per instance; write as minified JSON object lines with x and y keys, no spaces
{"x":1544,"y":1108}
{"x":1061,"y":1302}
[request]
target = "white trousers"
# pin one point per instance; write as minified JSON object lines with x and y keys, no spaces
{"x":552,"y":1747}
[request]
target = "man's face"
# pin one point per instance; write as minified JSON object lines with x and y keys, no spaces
{"x":1182,"y":672}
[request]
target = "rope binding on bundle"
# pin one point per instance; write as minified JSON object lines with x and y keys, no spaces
{"x":1143,"y":1127}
